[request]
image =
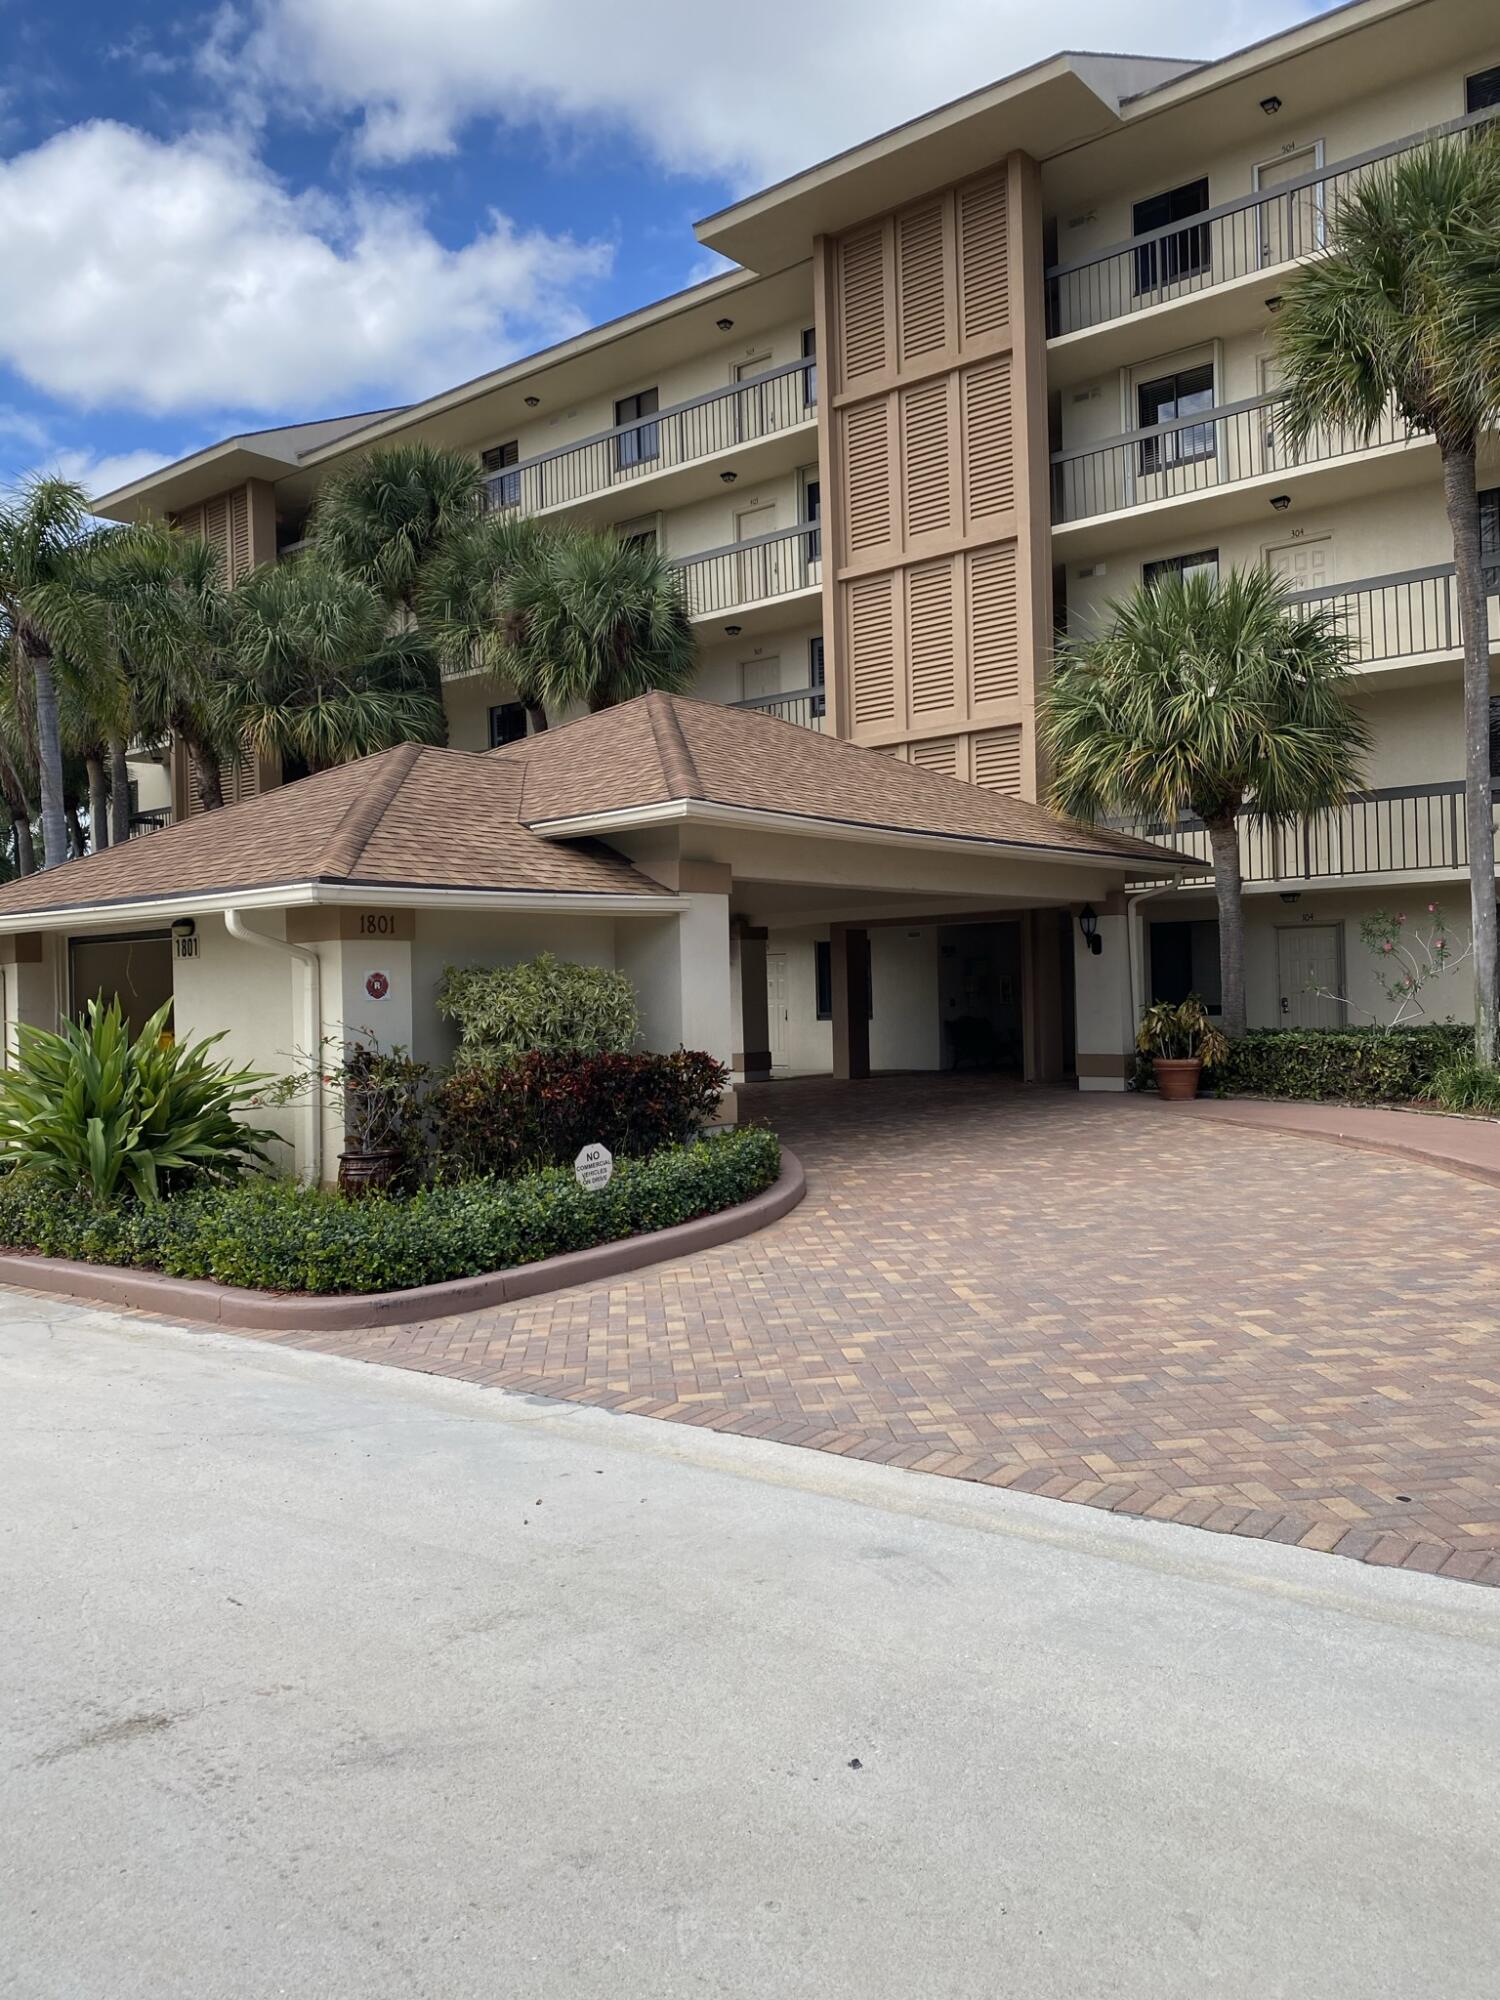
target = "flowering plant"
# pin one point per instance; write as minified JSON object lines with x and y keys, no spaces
{"x":1408,"y":956}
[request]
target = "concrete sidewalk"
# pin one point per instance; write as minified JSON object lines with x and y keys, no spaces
{"x":349,"y":1682}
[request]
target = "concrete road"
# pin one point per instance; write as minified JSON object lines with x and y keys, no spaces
{"x":325,"y":1680}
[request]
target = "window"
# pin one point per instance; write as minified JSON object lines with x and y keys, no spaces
{"x":1482,"y":90}
{"x":810,"y":373}
{"x":815,"y":674}
{"x":638,"y":446}
{"x":1183,"y":394}
{"x":1184,"y":960}
{"x":1489,"y":538}
{"x":507,"y":723}
{"x":639,"y":534}
{"x":812,"y":501}
{"x":824,"y":954}
{"x":504,"y":487}
{"x":1185,"y":253}
{"x":1199,"y":561}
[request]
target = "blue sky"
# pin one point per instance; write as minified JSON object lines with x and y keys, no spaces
{"x":213,"y":220}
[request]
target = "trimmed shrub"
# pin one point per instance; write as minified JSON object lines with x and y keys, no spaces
{"x":1466,"y":1085}
{"x":1352,"y":1065}
{"x":505,"y":1011}
{"x":276,"y":1236}
{"x":540,"y":1110}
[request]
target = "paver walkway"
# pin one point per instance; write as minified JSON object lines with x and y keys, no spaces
{"x":1077,"y":1296}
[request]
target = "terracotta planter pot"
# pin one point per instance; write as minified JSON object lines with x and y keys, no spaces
{"x":1177,"y":1077}
{"x":360,"y":1173}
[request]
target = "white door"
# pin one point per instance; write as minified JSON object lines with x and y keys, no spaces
{"x":1303,"y":565}
{"x":1309,"y":970}
{"x":750,"y":409}
{"x":757,"y":567}
{"x":1291,"y":225}
{"x":778,"y":1006}
{"x":759,"y":677}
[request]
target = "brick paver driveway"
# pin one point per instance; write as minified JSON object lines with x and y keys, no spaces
{"x":1077,"y":1296}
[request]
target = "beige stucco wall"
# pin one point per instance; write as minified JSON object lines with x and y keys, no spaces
{"x":250,"y":995}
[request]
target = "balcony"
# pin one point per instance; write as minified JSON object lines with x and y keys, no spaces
{"x":1224,"y":463}
{"x":807,"y":707}
{"x":670,"y":456}
{"x":1397,"y":833}
{"x":1240,"y":242}
{"x":1408,"y":617}
{"x":765,"y":582}
{"x":142,"y":823}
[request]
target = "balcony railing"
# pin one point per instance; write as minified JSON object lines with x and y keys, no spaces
{"x":1197,"y":454}
{"x":1400,"y":830}
{"x":805,"y":706}
{"x":150,"y":822}
{"x":1402,"y":616}
{"x":1295,"y":219}
{"x":721,"y":421}
{"x":750,"y":572}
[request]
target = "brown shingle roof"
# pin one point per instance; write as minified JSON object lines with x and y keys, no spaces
{"x":443,"y":819}
{"x":665,"y":747}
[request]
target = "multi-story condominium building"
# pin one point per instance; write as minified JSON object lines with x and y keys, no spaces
{"x":968,"y":383}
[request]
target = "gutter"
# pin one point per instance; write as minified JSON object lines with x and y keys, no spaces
{"x":312,"y":1021}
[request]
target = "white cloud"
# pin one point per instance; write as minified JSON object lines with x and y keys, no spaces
{"x":101,"y":473}
{"x":705,"y":87}
{"x":180,"y":275}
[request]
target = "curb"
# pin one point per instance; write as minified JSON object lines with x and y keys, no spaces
{"x":1400,"y":1149}
{"x":204,"y":1303}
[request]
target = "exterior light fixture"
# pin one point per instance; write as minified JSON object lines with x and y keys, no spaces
{"x":1088,"y":923}
{"x":1281,"y":501}
{"x":733,"y":631}
{"x":724,"y":325}
{"x":532,"y":402}
{"x":184,"y":927}
{"x":729,"y":477}
{"x":1274,"y":305}
{"x":1291,"y":895}
{"x":1270,"y":105}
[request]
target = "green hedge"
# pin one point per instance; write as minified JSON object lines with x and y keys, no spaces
{"x":1352,"y":1065}
{"x":276,"y":1236}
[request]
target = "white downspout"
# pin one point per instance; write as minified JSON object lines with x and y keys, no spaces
{"x":312,"y":1030}
{"x":1132,"y":946}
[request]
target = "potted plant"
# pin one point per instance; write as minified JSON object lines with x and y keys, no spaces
{"x":1182,"y":1042}
{"x":382,"y":1091}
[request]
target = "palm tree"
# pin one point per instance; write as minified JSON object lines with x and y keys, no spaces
{"x":466,"y":606}
{"x":384,"y":519}
{"x":603,"y":620}
{"x":1403,"y":308}
{"x":1207,"y":695}
{"x":318,"y":674}
{"x":50,"y":624}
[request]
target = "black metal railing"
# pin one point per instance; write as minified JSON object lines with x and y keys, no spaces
{"x":1257,"y":232}
{"x":150,"y":822}
{"x":701,"y":428}
{"x":805,"y":706}
{"x":1196,"y":454}
{"x":1401,"y":616}
{"x":1398,"y":830}
{"x":750,"y":572}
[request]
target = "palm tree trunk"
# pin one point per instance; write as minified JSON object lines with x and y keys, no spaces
{"x":536,"y":715}
{"x":208,"y":776}
{"x":1461,"y":498}
{"x":1224,"y":845}
{"x":49,"y":762}
{"x":93,"y":763}
{"x":119,"y":791}
{"x":20,"y":826}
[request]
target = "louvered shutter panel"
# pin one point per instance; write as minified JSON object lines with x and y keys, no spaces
{"x":989,"y":440}
{"x":864,"y":338}
{"x":997,"y":760}
{"x":929,"y":637}
{"x":983,"y":260}
{"x":921,"y":284}
{"x":994,"y":635}
{"x":926,"y":485}
{"x":867,"y":471}
{"x":872,"y":637}
{"x":238,"y":535}
{"x":937,"y":753}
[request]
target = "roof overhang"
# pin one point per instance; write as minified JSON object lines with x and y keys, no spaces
{"x":188,"y":481}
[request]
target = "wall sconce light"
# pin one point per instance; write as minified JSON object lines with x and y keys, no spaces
{"x":184,"y":927}
{"x":1273,"y":305}
{"x":532,"y":402}
{"x":184,"y":938}
{"x":1088,"y":923}
{"x":724,"y":325}
{"x":729,"y":477}
{"x":1291,"y":895}
{"x":1281,"y":501}
{"x":1270,"y":105}
{"x":733,"y":631}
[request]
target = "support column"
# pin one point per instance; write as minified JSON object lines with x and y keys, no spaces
{"x":1042,"y":943}
{"x":751,"y":1000}
{"x":849,"y":963}
{"x":679,"y":966}
{"x":1106,"y":1033}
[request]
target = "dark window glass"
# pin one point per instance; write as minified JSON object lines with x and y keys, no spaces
{"x":507,"y":723}
{"x":1482,"y":90}
{"x":815,"y":673}
{"x":504,"y":486}
{"x":1495,"y":735}
{"x":1489,"y":537}
{"x":1184,"y":394}
{"x":1184,"y":960}
{"x":814,"y":503}
{"x":636,"y":447}
{"x":810,"y":374}
{"x":1167,"y":260}
{"x":1200,"y":559}
{"x":824,"y":955}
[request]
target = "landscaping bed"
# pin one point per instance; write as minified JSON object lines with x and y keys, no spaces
{"x":1389,"y":1066}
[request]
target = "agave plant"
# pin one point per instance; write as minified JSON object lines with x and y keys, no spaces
{"x":86,"y":1107}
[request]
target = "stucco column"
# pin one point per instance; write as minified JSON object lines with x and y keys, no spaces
{"x":752,"y":1015}
{"x":679,"y":966}
{"x":1106,"y":1033}
{"x":31,"y":983}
